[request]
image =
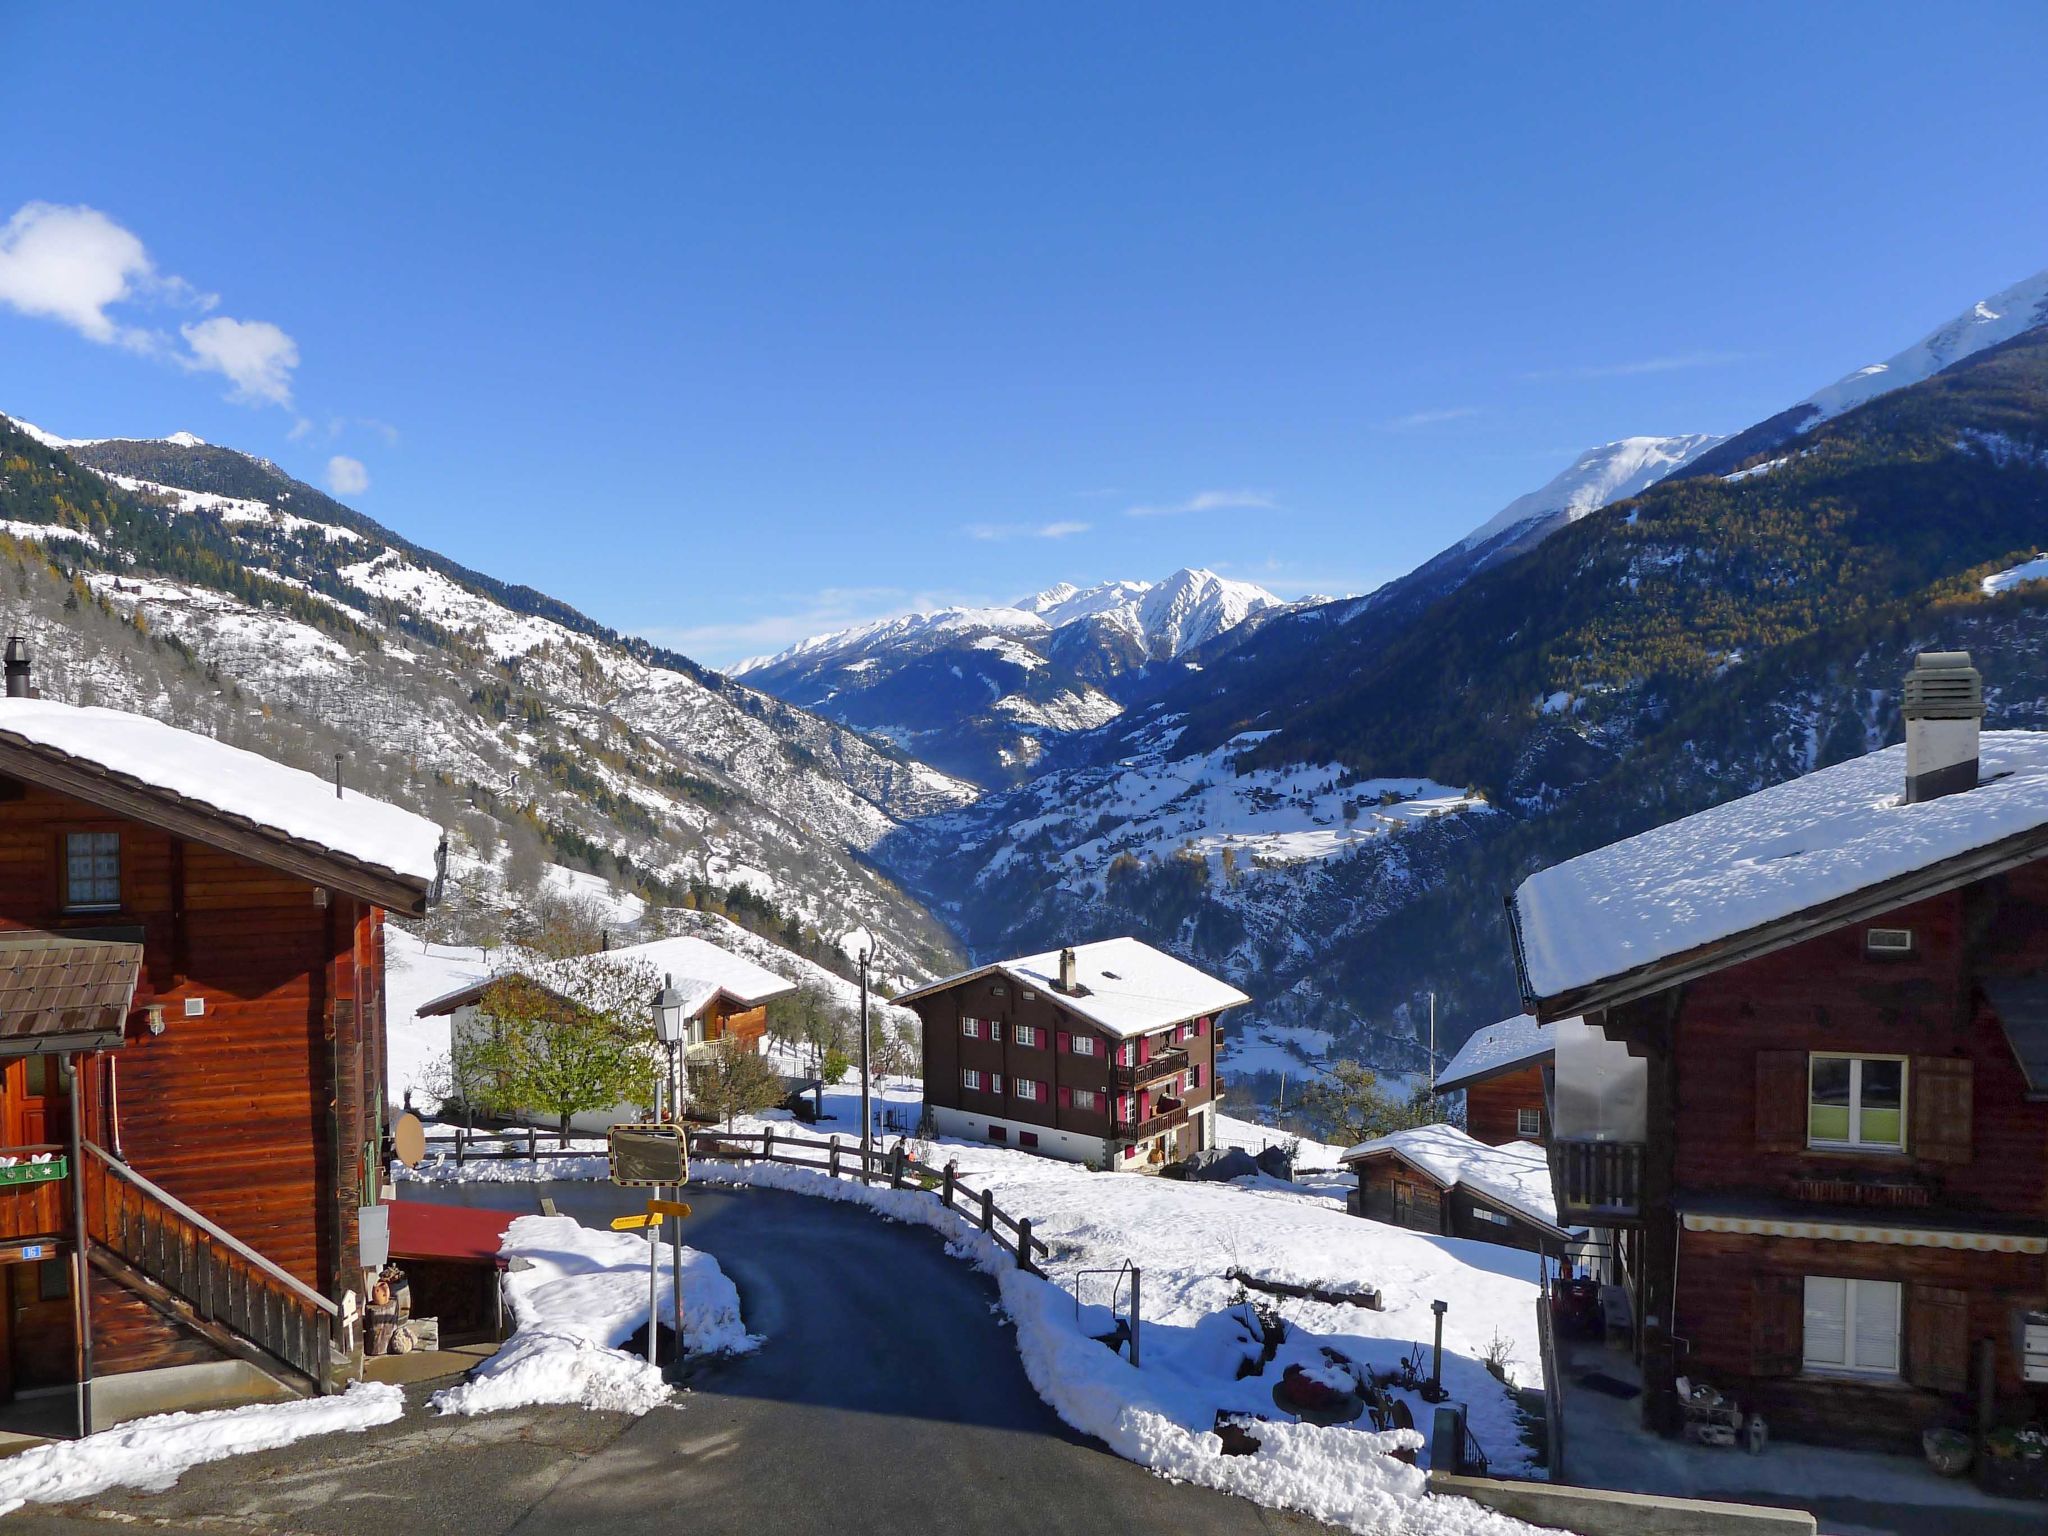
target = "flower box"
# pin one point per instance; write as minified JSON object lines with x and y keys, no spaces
{"x":35,"y":1173}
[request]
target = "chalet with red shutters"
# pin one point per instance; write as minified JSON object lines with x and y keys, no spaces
{"x":191,"y":1060}
{"x":1102,"y":1053}
{"x":1504,"y":1073}
{"x":1809,"y":1096}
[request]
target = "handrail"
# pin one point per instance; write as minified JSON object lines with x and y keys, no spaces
{"x":215,"y":1231}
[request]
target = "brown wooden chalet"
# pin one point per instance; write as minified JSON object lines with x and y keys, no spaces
{"x":1504,"y":1073}
{"x":1438,"y":1179}
{"x":1102,"y":1053}
{"x":191,"y":1059}
{"x":1809,"y":1096}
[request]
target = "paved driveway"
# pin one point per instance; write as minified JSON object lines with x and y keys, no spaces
{"x":889,"y":1397}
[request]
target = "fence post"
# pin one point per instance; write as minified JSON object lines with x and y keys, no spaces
{"x":951,"y":1169}
{"x":532,"y":1141}
{"x":896,"y":1166}
{"x":1137,"y":1311}
{"x":460,"y":1154}
{"x":768,"y":1144}
{"x":988,"y":1211}
{"x":833,"y":1161}
{"x":1024,"y":1243}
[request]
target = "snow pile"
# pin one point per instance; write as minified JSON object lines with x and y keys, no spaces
{"x":1197,"y":1330}
{"x":152,"y":1454}
{"x":582,"y":1294}
{"x":227,"y":779}
{"x":1517,"y":1175}
{"x":2019,"y":575}
{"x":1731,"y":869}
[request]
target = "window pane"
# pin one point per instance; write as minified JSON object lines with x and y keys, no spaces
{"x":1883,"y":1097}
{"x":1828,"y":1104}
{"x":1827,"y":1303}
{"x":1876,"y":1335}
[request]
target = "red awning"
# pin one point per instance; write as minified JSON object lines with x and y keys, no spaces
{"x":423,"y":1231}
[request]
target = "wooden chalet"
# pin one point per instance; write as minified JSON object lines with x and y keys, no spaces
{"x":191,"y":1059}
{"x":1504,"y":1073}
{"x":1809,"y":1096}
{"x":1438,"y":1179}
{"x":1101,"y":1053}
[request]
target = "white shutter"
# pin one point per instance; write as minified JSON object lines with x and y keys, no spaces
{"x":1827,"y":1321}
{"x":1874,"y":1310}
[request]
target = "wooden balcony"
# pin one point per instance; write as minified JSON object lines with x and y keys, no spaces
{"x":1137,"y":1130}
{"x":1165,"y":1064}
{"x":1597,"y":1183}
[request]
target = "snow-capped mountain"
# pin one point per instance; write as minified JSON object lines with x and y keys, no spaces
{"x":193,"y":582}
{"x":981,"y":691}
{"x":1609,"y":473}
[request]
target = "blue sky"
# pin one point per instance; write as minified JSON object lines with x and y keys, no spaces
{"x":729,"y":324}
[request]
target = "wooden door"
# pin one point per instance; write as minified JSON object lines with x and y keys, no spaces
{"x":32,"y":1103}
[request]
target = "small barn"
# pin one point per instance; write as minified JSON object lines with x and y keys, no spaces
{"x":1436,"y":1178}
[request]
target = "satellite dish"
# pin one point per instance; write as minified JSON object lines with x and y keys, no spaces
{"x":409,"y":1139}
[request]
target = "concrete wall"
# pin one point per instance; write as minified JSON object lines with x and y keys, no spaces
{"x":1598,"y":1512}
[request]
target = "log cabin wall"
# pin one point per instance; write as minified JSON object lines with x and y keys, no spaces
{"x":257,"y":1110}
{"x":749,"y":1026}
{"x":1493,"y":1107}
{"x":1392,"y":1192}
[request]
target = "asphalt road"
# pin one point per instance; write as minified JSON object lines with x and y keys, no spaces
{"x":888,"y":1397}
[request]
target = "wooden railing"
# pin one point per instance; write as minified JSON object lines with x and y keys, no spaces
{"x":1151,"y":1125}
{"x":38,"y":1208}
{"x":226,"y":1283}
{"x":1165,"y":1064}
{"x":1597,"y":1181}
{"x":893,"y":1167}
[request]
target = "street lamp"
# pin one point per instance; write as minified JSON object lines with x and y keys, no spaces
{"x":668,"y":1028}
{"x":868,"y":954}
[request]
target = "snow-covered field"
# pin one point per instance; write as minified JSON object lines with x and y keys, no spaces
{"x":584,"y":1294}
{"x":152,"y":1454}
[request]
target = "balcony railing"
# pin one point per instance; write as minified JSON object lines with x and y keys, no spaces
{"x":1165,"y":1064}
{"x":1600,"y":1182}
{"x":1164,"y":1120}
{"x":34,"y":1199}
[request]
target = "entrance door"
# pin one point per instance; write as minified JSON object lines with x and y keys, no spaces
{"x":1404,"y":1203}
{"x":32,"y":1103}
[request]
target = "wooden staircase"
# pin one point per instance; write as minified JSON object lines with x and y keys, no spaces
{"x":193,"y":1271}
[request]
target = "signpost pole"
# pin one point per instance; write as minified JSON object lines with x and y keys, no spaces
{"x":676,"y":1290}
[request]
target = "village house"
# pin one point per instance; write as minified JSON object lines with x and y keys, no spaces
{"x":1101,"y":1053}
{"x":1436,"y":1178}
{"x":1504,"y":1073}
{"x":191,"y":1060}
{"x":724,"y":997}
{"x":1810,"y":1093}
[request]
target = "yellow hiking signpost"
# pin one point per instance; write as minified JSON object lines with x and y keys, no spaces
{"x":650,"y":1221}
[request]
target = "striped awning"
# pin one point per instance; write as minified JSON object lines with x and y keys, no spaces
{"x":62,"y":994}
{"x":1896,"y":1234}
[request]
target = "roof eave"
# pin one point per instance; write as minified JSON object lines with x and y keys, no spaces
{"x":1448,"y":1084}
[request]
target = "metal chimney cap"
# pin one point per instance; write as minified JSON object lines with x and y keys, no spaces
{"x":1943,"y":685}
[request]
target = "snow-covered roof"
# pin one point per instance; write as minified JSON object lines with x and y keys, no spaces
{"x":1123,"y":985}
{"x":1810,"y":843}
{"x":700,"y":971}
{"x":1498,"y":1048}
{"x":186,"y":766}
{"x":1516,"y":1175}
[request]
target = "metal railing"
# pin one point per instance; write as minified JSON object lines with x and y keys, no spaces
{"x":1597,"y":1180}
{"x":221,"y":1278}
{"x":1165,"y":1064}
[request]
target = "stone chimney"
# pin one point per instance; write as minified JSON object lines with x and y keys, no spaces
{"x":1944,"y":712}
{"x":1069,"y":971}
{"x":17,"y":668}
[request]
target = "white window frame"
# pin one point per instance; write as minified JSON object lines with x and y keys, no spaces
{"x":1856,"y":1295}
{"x":1529,"y":1122}
{"x":1856,"y":1143}
{"x":1026,"y":1034}
{"x":970,"y":1027}
{"x":995,"y":1082}
{"x":1029,"y":1089}
{"x":1087,"y":1099}
{"x":1084,"y":1045}
{"x":970,"y":1078}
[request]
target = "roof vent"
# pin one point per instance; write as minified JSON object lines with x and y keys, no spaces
{"x":1069,"y":969}
{"x":1944,"y":711}
{"x":17,"y":667}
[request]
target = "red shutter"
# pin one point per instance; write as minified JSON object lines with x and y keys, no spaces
{"x":1780,"y":1101}
{"x":1776,"y":1323}
{"x":1066,"y":1041}
{"x":1939,"y":1090}
{"x":1066,"y":1096}
{"x":1144,"y":1048}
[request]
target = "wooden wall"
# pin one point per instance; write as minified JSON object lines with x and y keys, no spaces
{"x":1492,"y":1106}
{"x":258,"y":1110}
{"x":1392,"y":1192}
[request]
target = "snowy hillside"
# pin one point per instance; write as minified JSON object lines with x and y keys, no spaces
{"x":982,"y":692}
{"x":255,"y":606}
{"x":1612,"y":472}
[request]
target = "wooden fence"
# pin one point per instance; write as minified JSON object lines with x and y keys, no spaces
{"x":892,"y":1167}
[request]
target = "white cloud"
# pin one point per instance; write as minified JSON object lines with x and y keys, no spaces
{"x":1672,"y":364}
{"x":256,"y":356}
{"x":1209,"y":501}
{"x":77,"y":266}
{"x":347,"y":476}
{"x":995,"y":532}
{"x":1416,"y":419}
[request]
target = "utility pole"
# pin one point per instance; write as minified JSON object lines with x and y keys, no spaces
{"x":1432,"y":1045}
{"x":867,"y":1122}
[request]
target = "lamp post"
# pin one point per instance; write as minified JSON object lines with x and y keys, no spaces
{"x":668,"y":1028}
{"x":869,"y":950}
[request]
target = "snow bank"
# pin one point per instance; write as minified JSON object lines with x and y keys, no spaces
{"x":583,"y":1294}
{"x":2019,"y":575}
{"x":152,"y":1454}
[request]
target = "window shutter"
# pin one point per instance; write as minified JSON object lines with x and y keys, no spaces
{"x":1938,"y":1337}
{"x":1780,"y":1101}
{"x":1938,"y":1088}
{"x":1066,"y":1096}
{"x":1777,"y":1304}
{"x":1066,"y":1041}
